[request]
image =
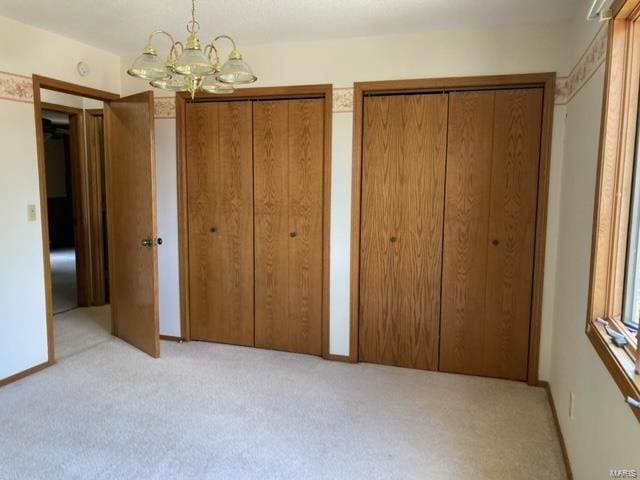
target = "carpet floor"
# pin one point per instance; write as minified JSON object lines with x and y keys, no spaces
{"x":210,"y":411}
{"x":80,"y":329}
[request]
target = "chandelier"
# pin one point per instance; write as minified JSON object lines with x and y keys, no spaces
{"x":191,"y":68}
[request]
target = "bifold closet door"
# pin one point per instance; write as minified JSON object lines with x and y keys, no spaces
{"x":220,"y":216}
{"x":404,"y":151}
{"x":288,"y":145}
{"x":491,"y":197}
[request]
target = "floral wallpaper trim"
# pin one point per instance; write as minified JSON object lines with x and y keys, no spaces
{"x":164,"y":107}
{"x":18,"y":88}
{"x":593,"y":57}
{"x":342,"y":100}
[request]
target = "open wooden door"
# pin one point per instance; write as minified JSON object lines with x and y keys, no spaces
{"x":132,"y":226}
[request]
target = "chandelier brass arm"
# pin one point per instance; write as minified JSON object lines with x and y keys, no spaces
{"x":234,"y":53}
{"x":190,"y":68}
{"x":156,"y":33}
{"x":211,"y":49}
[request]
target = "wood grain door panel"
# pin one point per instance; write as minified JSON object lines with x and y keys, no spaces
{"x":306,"y":155}
{"x":131,"y":194}
{"x":466,"y":232}
{"x":491,"y":198}
{"x":81,"y":228}
{"x":401,"y":233}
{"x":95,"y":166}
{"x":288,"y":183}
{"x":220,"y":218}
{"x":271,"y":190}
{"x":512,"y":222}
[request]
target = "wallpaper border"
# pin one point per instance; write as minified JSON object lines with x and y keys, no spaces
{"x":19,"y":88}
{"x":589,"y":62}
{"x":342,"y":103}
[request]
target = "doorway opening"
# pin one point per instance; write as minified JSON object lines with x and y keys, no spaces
{"x":110,"y":174}
{"x":59,"y":148}
{"x":72,"y":128}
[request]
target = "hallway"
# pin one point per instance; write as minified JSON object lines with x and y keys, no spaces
{"x":63,"y":280}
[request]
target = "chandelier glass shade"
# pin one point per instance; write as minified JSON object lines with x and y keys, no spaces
{"x":211,"y":85}
{"x":190,"y":67}
{"x":174,"y":83}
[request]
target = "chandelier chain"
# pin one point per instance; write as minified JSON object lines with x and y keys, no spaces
{"x":193,"y":26}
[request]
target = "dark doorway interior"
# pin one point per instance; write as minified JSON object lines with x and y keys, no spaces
{"x":60,"y":206}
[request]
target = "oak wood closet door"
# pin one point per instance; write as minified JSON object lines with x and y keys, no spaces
{"x":404,"y":142}
{"x":491,"y":193}
{"x":288,"y":183}
{"x":220,"y":216}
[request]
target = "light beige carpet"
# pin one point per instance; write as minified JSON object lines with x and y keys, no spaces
{"x":208,"y":411}
{"x":80,"y":329}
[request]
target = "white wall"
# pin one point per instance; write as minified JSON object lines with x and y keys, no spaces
{"x":434,"y":54}
{"x":522,"y":49}
{"x":27,"y":50}
{"x":23,"y":336}
{"x":600,"y":410}
{"x":167,"y":207}
{"x":340,"y":241}
{"x":604,"y":434}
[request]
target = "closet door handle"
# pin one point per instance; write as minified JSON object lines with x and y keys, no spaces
{"x":393,"y":239}
{"x":495,"y":242}
{"x":293,"y":234}
{"x":212,"y":229}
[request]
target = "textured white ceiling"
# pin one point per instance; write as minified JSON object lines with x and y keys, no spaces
{"x":121,"y":26}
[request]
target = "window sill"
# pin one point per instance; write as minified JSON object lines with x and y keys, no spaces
{"x":620,"y":365}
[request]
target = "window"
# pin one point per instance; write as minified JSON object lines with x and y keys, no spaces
{"x":631,"y":306}
{"x":614,"y":297}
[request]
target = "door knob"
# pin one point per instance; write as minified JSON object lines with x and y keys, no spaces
{"x":496,"y":242}
{"x":293,"y":234}
{"x":393,"y":239}
{"x":148,"y":242}
{"x":212,"y":229}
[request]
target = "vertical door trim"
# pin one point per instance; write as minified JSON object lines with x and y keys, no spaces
{"x":40,"y":82}
{"x":324,"y":91}
{"x":97,"y":225}
{"x":183,"y":217}
{"x":546,"y":81}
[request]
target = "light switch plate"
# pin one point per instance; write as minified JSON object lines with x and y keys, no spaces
{"x":31,"y":213}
